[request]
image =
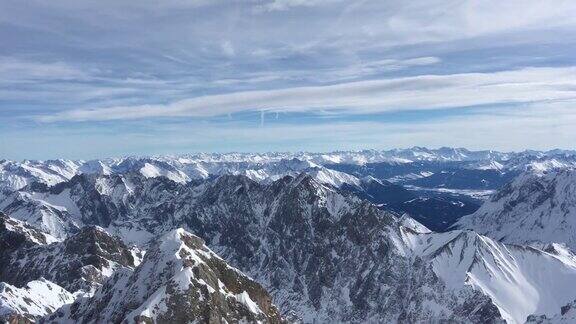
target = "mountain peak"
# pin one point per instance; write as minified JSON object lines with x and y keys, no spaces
{"x":179,"y":280}
{"x":533,"y":208}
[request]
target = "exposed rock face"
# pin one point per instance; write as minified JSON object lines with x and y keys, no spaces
{"x":566,"y":315}
{"x":531,"y":209}
{"x":180,"y":280}
{"x":81,"y":262}
{"x":15,"y":234}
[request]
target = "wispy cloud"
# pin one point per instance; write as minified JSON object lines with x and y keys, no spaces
{"x":535,"y":126}
{"x":184,"y":61}
{"x":280,"y":5}
{"x":19,"y":70}
{"x":363,"y":97}
{"x":353,"y":71}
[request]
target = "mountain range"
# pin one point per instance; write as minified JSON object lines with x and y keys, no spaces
{"x":414,"y":235}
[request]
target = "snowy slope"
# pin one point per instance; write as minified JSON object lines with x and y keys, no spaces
{"x":52,"y":214}
{"x":532,"y":208}
{"x":37,"y":299}
{"x":15,"y":175}
{"x":519,"y":280}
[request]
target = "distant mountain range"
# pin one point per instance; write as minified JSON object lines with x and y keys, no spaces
{"x":452,"y":182}
{"x":413,"y":235}
{"x":260,"y":166}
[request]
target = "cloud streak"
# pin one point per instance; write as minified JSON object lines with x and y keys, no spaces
{"x":281,"y":5}
{"x":364,"y":97}
{"x":19,"y":70}
{"x":527,"y":127}
{"x":192,"y":63}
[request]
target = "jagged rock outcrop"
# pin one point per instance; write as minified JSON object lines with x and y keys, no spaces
{"x":81,"y":262}
{"x":180,"y":280}
{"x":15,"y":234}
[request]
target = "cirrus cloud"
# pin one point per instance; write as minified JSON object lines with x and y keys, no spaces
{"x":363,"y":97}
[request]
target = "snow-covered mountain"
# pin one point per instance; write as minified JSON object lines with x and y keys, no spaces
{"x":38,"y":275}
{"x":271,"y":166}
{"x":323,"y":236}
{"x":31,"y":302}
{"x":322,"y":254}
{"x":15,"y":175}
{"x":15,"y":234}
{"x":520,"y":281}
{"x":533,"y":208}
{"x":80,"y":263}
{"x":449,"y":182}
{"x":180,"y":280}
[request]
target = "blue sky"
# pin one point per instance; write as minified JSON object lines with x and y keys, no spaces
{"x":87,"y":79}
